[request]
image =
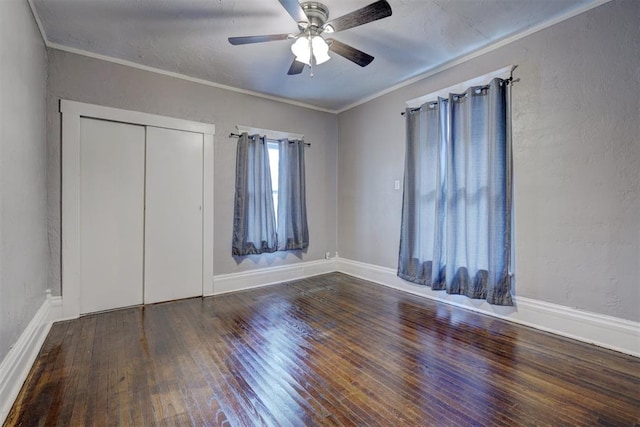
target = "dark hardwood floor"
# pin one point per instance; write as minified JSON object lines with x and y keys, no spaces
{"x":330,"y":350}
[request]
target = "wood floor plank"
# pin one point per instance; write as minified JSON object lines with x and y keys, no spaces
{"x":328,"y":350}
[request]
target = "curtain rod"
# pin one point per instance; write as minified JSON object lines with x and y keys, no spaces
{"x":235,"y":135}
{"x":509,"y":81}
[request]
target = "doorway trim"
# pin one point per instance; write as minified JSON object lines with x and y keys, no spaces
{"x":71,"y":112}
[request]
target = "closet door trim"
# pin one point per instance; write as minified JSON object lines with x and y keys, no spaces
{"x":71,"y":113}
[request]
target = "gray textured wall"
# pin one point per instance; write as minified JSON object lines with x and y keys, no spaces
{"x":23,"y":244}
{"x":576,"y":140}
{"x":94,"y":81}
{"x":576,"y":152}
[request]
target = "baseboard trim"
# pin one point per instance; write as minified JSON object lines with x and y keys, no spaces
{"x":15,"y":367}
{"x":224,"y":283}
{"x":604,"y":331}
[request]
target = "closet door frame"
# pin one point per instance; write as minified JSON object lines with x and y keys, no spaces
{"x":71,"y":112}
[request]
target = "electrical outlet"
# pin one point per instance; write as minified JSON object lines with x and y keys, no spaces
{"x":396,"y":184}
{"x":327,"y":255}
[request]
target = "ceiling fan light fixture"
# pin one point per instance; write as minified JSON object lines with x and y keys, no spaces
{"x":320,"y":49}
{"x":302,"y":49}
{"x":310,"y":47}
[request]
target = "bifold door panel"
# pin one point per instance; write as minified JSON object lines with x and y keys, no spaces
{"x":141,"y":219}
{"x":173,"y":225}
{"x":111,"y":214}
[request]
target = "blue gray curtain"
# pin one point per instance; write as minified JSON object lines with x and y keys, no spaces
{"x":254,"y":226}
{"x":456,"y":211}
{"x":293,"y":232}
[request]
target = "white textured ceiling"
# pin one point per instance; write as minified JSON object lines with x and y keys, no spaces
{"x":189,"y":37}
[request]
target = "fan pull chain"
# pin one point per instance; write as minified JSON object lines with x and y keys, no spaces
{"x":312,"y":57}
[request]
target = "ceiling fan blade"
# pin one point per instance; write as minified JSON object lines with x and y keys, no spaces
{"x":296,"y":68}
{"x":257,"y":39}
{"x":350,"y":53}
{"x":373,"y":12}
{"x":294,"y":9}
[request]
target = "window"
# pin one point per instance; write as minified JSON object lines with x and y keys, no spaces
{"x":270,"y":208}
{"x":456,"y":213}
{"x":274,"y":164}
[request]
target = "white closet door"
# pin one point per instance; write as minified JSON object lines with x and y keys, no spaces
{"x":173,"y":225}
{"x":111,"y":214}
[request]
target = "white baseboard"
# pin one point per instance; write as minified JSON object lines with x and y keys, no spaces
{"x":15,"y":367}
{"x":223,"y":283}
{"x":604,"y":331}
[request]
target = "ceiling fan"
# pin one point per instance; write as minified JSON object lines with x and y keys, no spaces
{"x":310,"y":47}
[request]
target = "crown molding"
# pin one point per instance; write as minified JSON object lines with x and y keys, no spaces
{"x":468,"y":57}
{"x":36,"y":17}
{"x":183,"y":77}
{"x":132,"y":64}
{"x":424,"y":75}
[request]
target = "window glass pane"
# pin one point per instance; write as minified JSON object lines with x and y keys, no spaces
{"x":274,"y":161}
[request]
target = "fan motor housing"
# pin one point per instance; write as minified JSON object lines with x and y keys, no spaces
{"x":316,"y":12}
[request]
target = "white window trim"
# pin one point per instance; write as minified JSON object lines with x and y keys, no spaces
{"x":270,"y":134}
{"x":502,"y":73}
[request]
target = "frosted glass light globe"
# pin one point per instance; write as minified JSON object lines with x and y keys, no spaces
{"x":320,"y":49}
{"x":302,"y":50}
